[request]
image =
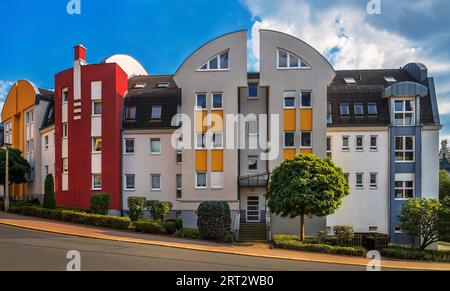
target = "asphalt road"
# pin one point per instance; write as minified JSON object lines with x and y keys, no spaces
{"x":25,"y":250}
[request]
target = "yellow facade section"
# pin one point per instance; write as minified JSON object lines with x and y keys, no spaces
{"x":217,"y":121}
{"x":289,"y":154}
{"x":21,"y":97}
{"x":201,"y":121}
{"x":290,"y":120}
{"x":201,"y":160}
{"x":306,"y":151}
{"x":217,"y":160}
{"x":306,"y":119}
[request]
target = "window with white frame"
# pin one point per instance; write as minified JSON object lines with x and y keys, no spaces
{"x":404,"y":112}
{"x":8,"y":132}
{"x":373,"y":180}
{"x":200,"y":180}
{"x":129,"y":146}
{"x":346,"y":143}
{"x":288,"y":60}
{"x":217,"y":63}
{"x":374,"y":143}
{"x":360,"y":143}
{"x":306,"y":139}
{"x":155,"y":182}
{"x":404,"y":190}
{"x":289,"y":99}
{"x":306,"y":99}
{"x":253,"y":163}
{"x":329,"y":149}
{"x":345,"y":110}
{"x":96,"y":107}
{"x":216,"y":180}
{"x":65,"y":162}
{"x":96,"y":144}
{"x":96,"y":181}
{"x":329,"y":113}
{"x":155,"y":146}
{"x":130,"y":113}
{"x":217,"y":140}
{"x":200,"y":140}
{"x":179,"y":181}
{"x":46,"y":142}
{"x":289,"y":140}
{"x":359,"y":109}
{"x":359,"y":180}
{"x":156,"y":112}
{"x":404,"y":149}
{"x":179,"y":150}
{"x":129,"y":182}
{"x":65,"y":95}
{"x":200,"y":101}
{"x":372,"y":109}
{"x":217,"y":101}
{"x":65,"y":130}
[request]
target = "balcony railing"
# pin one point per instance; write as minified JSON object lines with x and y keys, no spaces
{"x":256,"y":180}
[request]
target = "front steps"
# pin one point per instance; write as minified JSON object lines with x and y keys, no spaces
{"x":252,"y":232}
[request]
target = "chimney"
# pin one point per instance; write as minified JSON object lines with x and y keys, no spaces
{"x":80,"y":53}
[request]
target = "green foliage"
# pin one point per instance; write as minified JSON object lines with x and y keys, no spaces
{"x":178,"y":222}
{"x":158,"y":209}
{"x":189,"y":233}
{"x":18,"y":167}
{"x":344,"y":234}
{"x":49,"y":195}
{"x":406,"y":253}
{"x":99,"y":203}
{"x":292,"y":242}
{"x":136,"y":208}
{"x":306,"y":185}
{"x":444,"y":229}
{"x":153,"y":227}
{"x":214,"y":221}
{"x":170,"y":227}
{"x":444,"y":184}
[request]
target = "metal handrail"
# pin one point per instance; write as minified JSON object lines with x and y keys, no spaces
{"x":268,"y":226}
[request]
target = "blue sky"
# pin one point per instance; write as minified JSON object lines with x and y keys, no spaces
{"x":37,"y":36}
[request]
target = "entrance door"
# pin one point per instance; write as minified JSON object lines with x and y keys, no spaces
{"x":253,"y":211}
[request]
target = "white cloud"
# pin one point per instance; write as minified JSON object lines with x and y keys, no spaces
{"x":4,"y":89}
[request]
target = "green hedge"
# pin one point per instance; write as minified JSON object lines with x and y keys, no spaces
{"x":170,"y":227}
{"x":292,"y":242}
{"x":99,"y":203}
{"x":214,"y":221}
{"x":190,"y":233}
{"x":153,"y":227}
{"x":74,"y":217}
{"x":178,"y":222}
{"x":406,"y":253}
{"x":136,"y":206}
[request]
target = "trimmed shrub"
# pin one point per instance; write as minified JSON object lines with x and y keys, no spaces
{"x":170,"y":227}
{"x":158,"y":209}
{"x":99,"y":203}
{"x":49,"y":195}
{"x":344,"y":234}
{"x":136,"y":208}
{"x":153,"y":227}
{"x":189,"y":233}
{"x":214,"y":221}
{"x":292,"y":242}
{"x":178,"y":222}
{"x":407,"y":253}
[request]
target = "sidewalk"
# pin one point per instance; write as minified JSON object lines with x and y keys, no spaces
{"x":255,"y":250}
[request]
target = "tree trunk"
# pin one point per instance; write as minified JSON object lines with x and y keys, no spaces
{"x":302,"y":228}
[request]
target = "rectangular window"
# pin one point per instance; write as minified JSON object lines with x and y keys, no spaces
{"x":155,"y":146}
{"x":398,"y":229}
{"x":253,"y":163}
{"x":404,"y":112}
{"x":360,"y":143}
{"x":217,"y":101}
{"x":282,"y":59}
{"x":345,"y":143}
{"x":129,"y":182}
{"x":306,"y":99}
{"x":217,"y":180}
{"x":96,"y":144}
{"x":374,"y":143}
{"x":200,"y":141}
{"x":253,"y":90}
{"x":46,"y":142}
{"x":65,"y":162}
{"x":65,"y":95}
{"x":96,"y":181}
{"x":329,"y":113}
{"x":96,"y":107}
{"x":289,"y":140}
{"x":373,"y":229}
{"x":373,"y":180}
{"x":217,"y":140}
{"x":200,"y":101}
{"x":372,"y":108}
{"x":289,"y":100}
{"x":179,"y":186}
{"x":156,"y":112}
{"x":65,"y":130}
{"x":329,"y":151}
{"x":404,"y":149}
{"x":130,"y":113}
{"x":359,"y":109}
{"x":359,"y":181}
{"x":156,"y":182}
{"x":224,"y":60}
{"x":306,"y":139}
{"x":129,"y":146}
{"x":200,"y":180}
{"x":404,"y":190}
{"x":345,"y":110}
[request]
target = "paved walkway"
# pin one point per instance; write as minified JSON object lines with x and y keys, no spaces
{"x":250,"y":249}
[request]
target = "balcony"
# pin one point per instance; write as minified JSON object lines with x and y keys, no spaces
{"x":256,"y":180}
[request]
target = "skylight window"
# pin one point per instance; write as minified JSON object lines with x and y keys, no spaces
{"x":219,"y":62}
{"x":350,"y":80}
{"x":288,"y":60}
{"x":140,"y":85}
{"x":390,"y":79}
{"x":163,"y":85}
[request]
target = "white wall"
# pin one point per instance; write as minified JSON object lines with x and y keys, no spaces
{"x":363,"y":207}
{"x":47,"y":154}
{"x":430,"y":163}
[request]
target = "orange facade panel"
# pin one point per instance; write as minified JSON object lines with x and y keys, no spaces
{"x":217,"y":123}
{"x":289,"y":154}
{"x":306,"y":151}
{"x":201,"y":160}
{"x":201,"y":121}
{"x":217,"y":160}
{"x":290,"y":120}
{"x":306,"y":120}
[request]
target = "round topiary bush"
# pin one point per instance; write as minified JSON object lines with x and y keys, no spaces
{"x":214,"y":221}
{"x":99,"y":203}
{"x":136,"y":208}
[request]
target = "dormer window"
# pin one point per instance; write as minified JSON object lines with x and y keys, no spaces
{"x":350,"y":80}
{"x":373,"y":110}
{"x":130,"y":113}
{"x":288,"y":60}
{"x":156,"y":112}
{"x":359,"y":109}
{"x":163,"y":85}
{"x":219,"y":62}
{"x":404,"y":112}
{"x":345,"y":110}
{"x":140,"y":85}
{"x":390,"y":79}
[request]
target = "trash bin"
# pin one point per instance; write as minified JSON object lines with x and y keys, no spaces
{"x":371,"y":243}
